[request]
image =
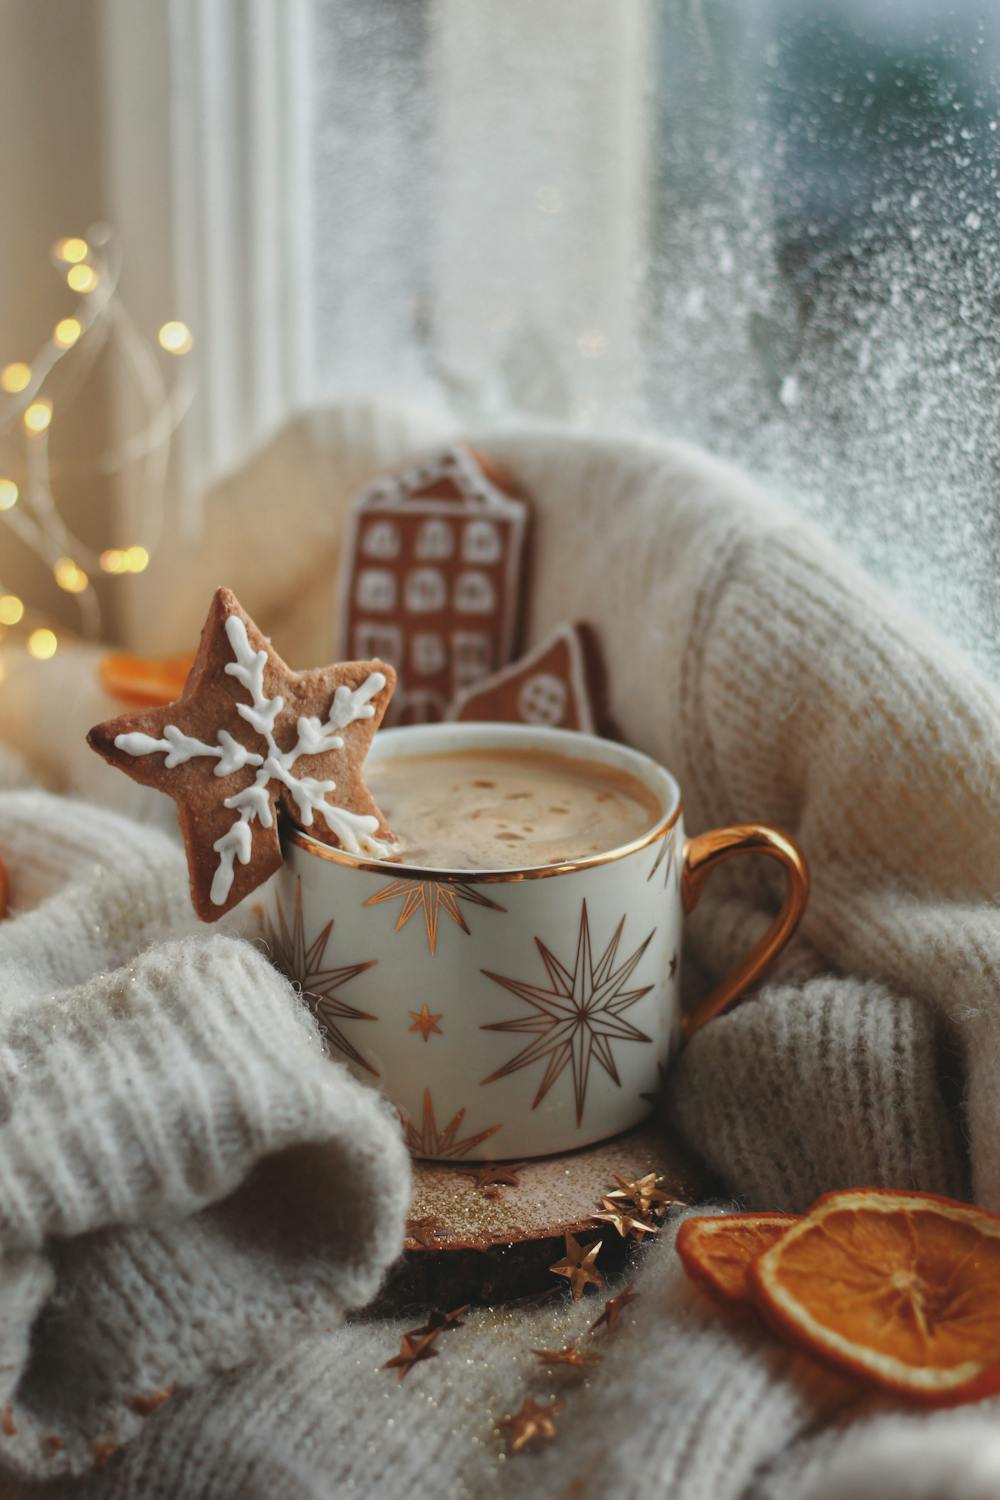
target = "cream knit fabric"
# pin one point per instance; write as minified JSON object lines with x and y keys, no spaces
{"x":163,"y":1098}
{"x":779,"y":686}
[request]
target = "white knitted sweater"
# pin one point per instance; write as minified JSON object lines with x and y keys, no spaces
{"x":148,"y":1074}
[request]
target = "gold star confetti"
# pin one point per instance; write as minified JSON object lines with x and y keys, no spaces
{"x":424,"y":1231}
{"x":643,"y":1194}
{"x":425,"y":1023}
{"x":614,"y":1307}
{"x":533,"y":1423}
{"x":578,"y":1266}
{"x":628,"y":1227}
{"x":103,"y":1450}
{"x":576,"y":1358}
{"x":411,"y":1351}
{"x":492,"y":1174}
{"x":145,"y":1405}
{"x":440,"y":1322}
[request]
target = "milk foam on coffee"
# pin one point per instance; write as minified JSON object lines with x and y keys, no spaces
{"x":503,"y":809}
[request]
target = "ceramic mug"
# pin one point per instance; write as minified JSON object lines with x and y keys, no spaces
{"x":517,"y":1012}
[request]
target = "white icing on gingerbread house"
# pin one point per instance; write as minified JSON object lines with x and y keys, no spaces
{"x":431,"y":575}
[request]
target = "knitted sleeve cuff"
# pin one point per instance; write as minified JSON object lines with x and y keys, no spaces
{"x":150,"y":1092}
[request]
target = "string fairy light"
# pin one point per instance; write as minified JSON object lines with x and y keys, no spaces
{"x":15,"y":377}
{"x":38,"y":416}
{"x":175,"y":337}
{"x":71,"y":251}
{"x":11,"y":609}
{"x":67,"y":331}
{"x":91,"y":268}
{"x":42,"y":643}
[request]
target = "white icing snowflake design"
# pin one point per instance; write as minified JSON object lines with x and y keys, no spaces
{"x":354,"y":830}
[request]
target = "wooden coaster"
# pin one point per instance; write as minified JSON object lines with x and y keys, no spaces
{"x":473,"y":1240}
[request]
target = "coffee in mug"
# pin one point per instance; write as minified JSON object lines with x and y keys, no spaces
{"x":507,"y":809}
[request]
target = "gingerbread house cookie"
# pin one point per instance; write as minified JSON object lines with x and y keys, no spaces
{"x":558,"y":685}
{"x":431,"y":579}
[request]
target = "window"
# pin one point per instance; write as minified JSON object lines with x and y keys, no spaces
{"x":765,"y":225}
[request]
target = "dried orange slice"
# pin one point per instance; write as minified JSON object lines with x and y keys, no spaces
{"x":149,"y":680}
{"x":719,"y":1249}
{"x":901,"y":1289}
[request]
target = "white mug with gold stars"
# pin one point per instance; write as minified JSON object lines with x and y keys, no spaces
{"x":518,"y":1012}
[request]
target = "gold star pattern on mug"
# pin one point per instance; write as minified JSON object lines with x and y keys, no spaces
{"x":431,"y":898}
{"x":532,"y":1424}
{"x":443,"y":1144}
{"x":665,"y":858}
{"x":577,"y":1016}
{"x":578,"y":1267}
{"x":302,"y":962}
{"x":425,"y":1023}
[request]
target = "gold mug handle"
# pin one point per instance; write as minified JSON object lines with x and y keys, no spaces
{"x":701,"y":856}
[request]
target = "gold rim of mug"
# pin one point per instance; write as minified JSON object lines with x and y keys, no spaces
{"x":479,"y":877}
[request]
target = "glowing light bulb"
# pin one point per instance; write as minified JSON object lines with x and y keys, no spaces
{"x":11,"y":609}
{"x":38,"y":416}
{"x":136,"y":559}
{"x":67,"y":331}
{"x":113,"y":560}
{"x":81,"y":278}
{"x":69,"y":576}
{"x":176,"y":338}
{"x":71,"y":250}
{"x":15,"y":377}
{"x":42,"y":644}
{"x":8,"y":494}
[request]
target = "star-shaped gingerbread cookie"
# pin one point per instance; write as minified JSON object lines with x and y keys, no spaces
{"x":250,"y":738}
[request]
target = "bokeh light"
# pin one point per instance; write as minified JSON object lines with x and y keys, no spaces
{"x":42,"y":643}
{"x":38,"y":416}
{"x":175,"y":338}
{"x":70,"y":576}
{"x":67,"y":331}
{"x":15,"y":377}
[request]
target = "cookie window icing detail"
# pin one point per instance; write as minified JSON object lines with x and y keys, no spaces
{"x":354,"y":830}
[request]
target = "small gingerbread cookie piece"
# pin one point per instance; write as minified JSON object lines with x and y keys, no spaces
{"x":249,"y":738}
{"x":431,"y":578}
{"x":556,"y":685}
